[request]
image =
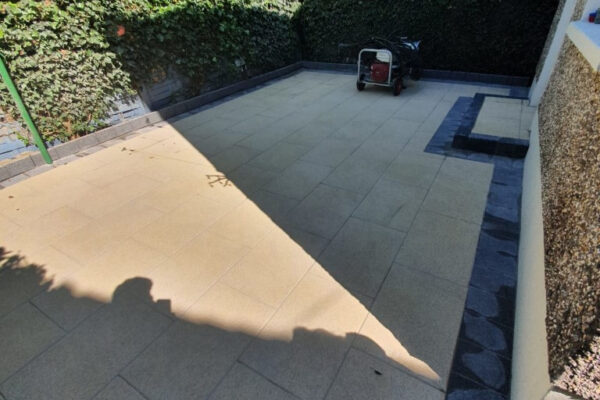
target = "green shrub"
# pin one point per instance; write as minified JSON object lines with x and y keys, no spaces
{"x":70,"y":59}
{"x":62,"y":64}
{"x":499,"y":36}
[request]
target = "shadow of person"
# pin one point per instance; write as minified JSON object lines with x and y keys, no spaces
{"x":135,"y":344}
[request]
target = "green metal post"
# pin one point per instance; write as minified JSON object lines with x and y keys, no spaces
{"x":30,"y":124}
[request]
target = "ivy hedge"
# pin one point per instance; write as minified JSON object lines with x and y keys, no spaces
{"x":497,"y":36}
{"x":70,"y":59}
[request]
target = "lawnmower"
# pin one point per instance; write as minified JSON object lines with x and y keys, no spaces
{"x":383,"y":62}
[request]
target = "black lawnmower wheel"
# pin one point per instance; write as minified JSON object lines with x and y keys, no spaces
{"x":360,"y":86}
{"x":398,"y":86}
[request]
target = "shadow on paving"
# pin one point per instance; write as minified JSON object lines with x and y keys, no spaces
{"x":194,"y":359}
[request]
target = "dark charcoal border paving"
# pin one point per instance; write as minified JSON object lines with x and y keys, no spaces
{"x":466,"y":139}
{"x":482,"y":359}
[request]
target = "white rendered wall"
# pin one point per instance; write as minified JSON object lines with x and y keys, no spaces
{"x":541,"y":82}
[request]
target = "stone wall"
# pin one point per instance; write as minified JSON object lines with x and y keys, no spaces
{"x":570,"y":151}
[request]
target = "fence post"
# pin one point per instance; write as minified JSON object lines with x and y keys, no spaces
{"x":30,"y":124}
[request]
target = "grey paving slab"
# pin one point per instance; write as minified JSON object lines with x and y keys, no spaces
{"x":301,"y":349}
{"x":118,"y":389}
{"x":24,"y":333}
{"x":363,"y":377}
{"x":413,"y":168}
{"x":280,"y":156}
{"x":274,"y":205}
{"x":299,"y":179}
{"x":264,"y":139}
{"x":416,"y":110}
{"x":331,"y":152}
{"x":392,"y":204}
{"x":233,"y":158}
{"x":253,"y":124}
{"x":249,"y":178}
{"x":311,"y":134}
{"x":357,"y":131}
{"x":243,"y":383}
{"x":17,"y":285}
{"x":190,"y":359}
{"x":440,"y":245}
{"x":360,"y":255}
{"x":325,"y":210}
{"x":218,"y":143}
{"x":87,"y":359}
{"x":357,"y":174}
{"x":65,"y":309}
{"x":423,"y":313}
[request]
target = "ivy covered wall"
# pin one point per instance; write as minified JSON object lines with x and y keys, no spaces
{"x":72,"y":59}
{"x":499,"y":37}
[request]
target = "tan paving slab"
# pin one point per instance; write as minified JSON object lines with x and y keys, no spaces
{"x":246,"y":225}
{"x":442,"y":246}
{"x":103,"y":234}
{"x":415,"y":322}
{"x":56,"y":224}
{"x":360,"y":255}
{"x":188,"y":361}
{"x":280,"y":156}
{"x":325,"y":210}
{"x":299,"y":179}
{"x":243,"y":383}
{"x":363,"y":377}
{"x":301,"y":349}
{"x":118,"y":389}
{"x":310,"y":135}
{"x":24,"y":333}
{"x":416,"y":169}
{"x":331,"y":152}
{"x":18,"y":282}
{"x":190,"y":272}
{"x":249,"y":178}
{"x":87,"y":359}
{"x":174,"y":229}
{"x":271,"y":270}
{"x":392,"y":204}
{"x":233,"y":157}
{"x":357,"y":174}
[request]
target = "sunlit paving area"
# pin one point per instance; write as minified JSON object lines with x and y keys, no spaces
{"x":293,"y":242}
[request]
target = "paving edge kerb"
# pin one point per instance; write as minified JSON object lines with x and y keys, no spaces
{"x":33,"y":160}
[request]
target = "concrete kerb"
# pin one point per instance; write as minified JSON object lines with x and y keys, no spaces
{"x":24,"y":164}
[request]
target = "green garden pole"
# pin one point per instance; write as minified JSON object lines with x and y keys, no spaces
{"x":30,"y":124}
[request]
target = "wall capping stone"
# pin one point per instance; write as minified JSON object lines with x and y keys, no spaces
{"x":586,"y":37}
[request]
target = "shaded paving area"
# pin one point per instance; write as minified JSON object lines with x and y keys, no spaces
{"x":293,"y":242}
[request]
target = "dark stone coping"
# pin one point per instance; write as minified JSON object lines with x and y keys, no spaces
{"x":466,"y":139}
{"x":435,"y":74}
{"x":482,"y":358}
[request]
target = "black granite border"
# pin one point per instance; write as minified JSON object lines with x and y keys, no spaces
{"x":482,"y":359}
{"x":466,"y":139}
{"x":435,"y":74}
